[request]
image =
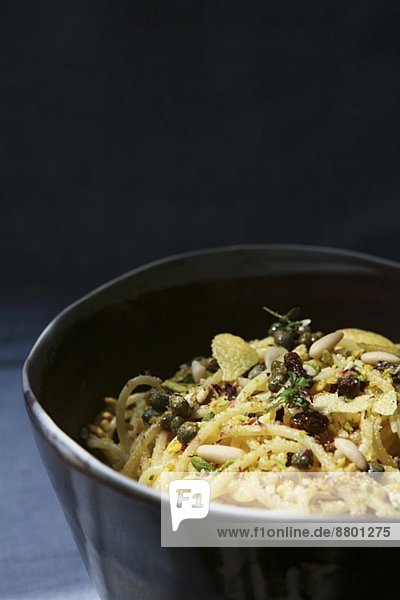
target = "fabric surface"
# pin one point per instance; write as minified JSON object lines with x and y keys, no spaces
{"x":38,"y":557}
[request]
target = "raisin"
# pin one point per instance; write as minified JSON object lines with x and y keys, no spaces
{"x":326,"y":439}
{"x":311,"y":421}
{"x":289,"y":459}
{"x":226,"y":388}
{"x":393,"y":368}
{"x":382,"y":365}
{"x":348,"y":385}
{"x":293,"y":363}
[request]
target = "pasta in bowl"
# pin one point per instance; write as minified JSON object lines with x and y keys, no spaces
{"x":296,"y":402}
{"x":158,"y":317}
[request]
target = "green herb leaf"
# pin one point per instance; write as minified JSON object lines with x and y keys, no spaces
{"x":303,"y":382}
{"x":274,"y":313}
{"x":276,"y":404}
{"x":292,"y":393}
{"x":225,"y":465}
{"x":288,"y":321}
{"x":174,"y":386}
{"x":293,"y":314}
{"x":208,"y":416}
{"x":201,"y":465}
{"x":187,"y":379}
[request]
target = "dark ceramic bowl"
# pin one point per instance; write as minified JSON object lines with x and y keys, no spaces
{"x":156,"y":317}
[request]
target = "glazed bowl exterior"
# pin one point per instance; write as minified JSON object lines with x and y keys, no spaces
{"x":157,"y":317}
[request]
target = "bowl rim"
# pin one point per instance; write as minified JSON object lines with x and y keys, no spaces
{"x":81,"y":459}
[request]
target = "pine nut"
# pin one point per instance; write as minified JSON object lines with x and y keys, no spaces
{"x":105,"y":425}
{"x":350,"y":451}
{"x":273,"y":353}
{"x":328,"y":342}
{"x":371,"y":358}
{"x":110,"y":401}
{"x":96,"y":430}
{"x":203,"y":394}
{"x":107,"y":415}
{"x":198,"y":371}
{"x":218,"y":454}
{"x":310,"y":370}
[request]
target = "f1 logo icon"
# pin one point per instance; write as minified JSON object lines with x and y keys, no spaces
{"x":188,"y":499}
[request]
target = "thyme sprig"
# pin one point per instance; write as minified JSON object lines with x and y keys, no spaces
{"x":290,"y":320}
{"x":296,"y":393}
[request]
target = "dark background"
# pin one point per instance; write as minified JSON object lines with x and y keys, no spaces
{"x":137,"y":129}
{"x":131,"y":130}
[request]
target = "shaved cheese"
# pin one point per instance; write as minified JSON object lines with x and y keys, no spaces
{"x":233,"y":355}
{"x":378,"y":381}
{"x":367,"y":338}
{"x":395,"y":423}
{"x":329,"y":403}
{"x":386,"y":403}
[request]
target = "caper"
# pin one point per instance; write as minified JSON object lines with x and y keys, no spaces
{"x":276,"y":382}
{"x":187,"y":432}
{"x":165,"y":421}
{"x":274,"y":327}
{"x":149,"y":415}
{"x":158,"y":400}
{"x":176,"y":422}
{"x":316,"y":335}
{"x":180,"y":406}
{"x":303,"y":459}
{"x":278,"y":368}
{"x":303,"y":329}
{"x":285,"y":338}
{"x":376,"y":468}
{"x":306,"y":338}
{"x":254,"y":371}
{"x":210,"y":364}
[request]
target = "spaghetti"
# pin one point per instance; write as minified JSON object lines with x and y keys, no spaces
{"x":292,"y":402}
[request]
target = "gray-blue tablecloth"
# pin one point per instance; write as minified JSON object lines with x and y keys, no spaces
{"x":38,"y":557}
